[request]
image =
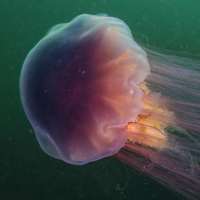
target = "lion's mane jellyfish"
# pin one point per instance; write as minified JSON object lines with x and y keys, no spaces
{"x":90,"y":91}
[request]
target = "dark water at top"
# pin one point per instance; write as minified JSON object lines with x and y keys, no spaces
{"x":25,"y":171}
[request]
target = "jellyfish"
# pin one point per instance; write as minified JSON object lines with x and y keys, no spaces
{"x":90,"y":91}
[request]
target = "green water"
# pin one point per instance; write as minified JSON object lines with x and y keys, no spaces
{"x":25,"y":171}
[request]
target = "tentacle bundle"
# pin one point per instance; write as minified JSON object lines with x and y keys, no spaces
{"x":169,"y":151}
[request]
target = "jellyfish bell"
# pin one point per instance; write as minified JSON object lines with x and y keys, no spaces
{"x":88,"y":93}
{"x":86,"y":79}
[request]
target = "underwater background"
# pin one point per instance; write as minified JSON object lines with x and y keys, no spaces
{"x":26,"y":172}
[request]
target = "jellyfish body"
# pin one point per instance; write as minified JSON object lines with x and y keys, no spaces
{"x":78,"y":88}
{"x":88,"y":93}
